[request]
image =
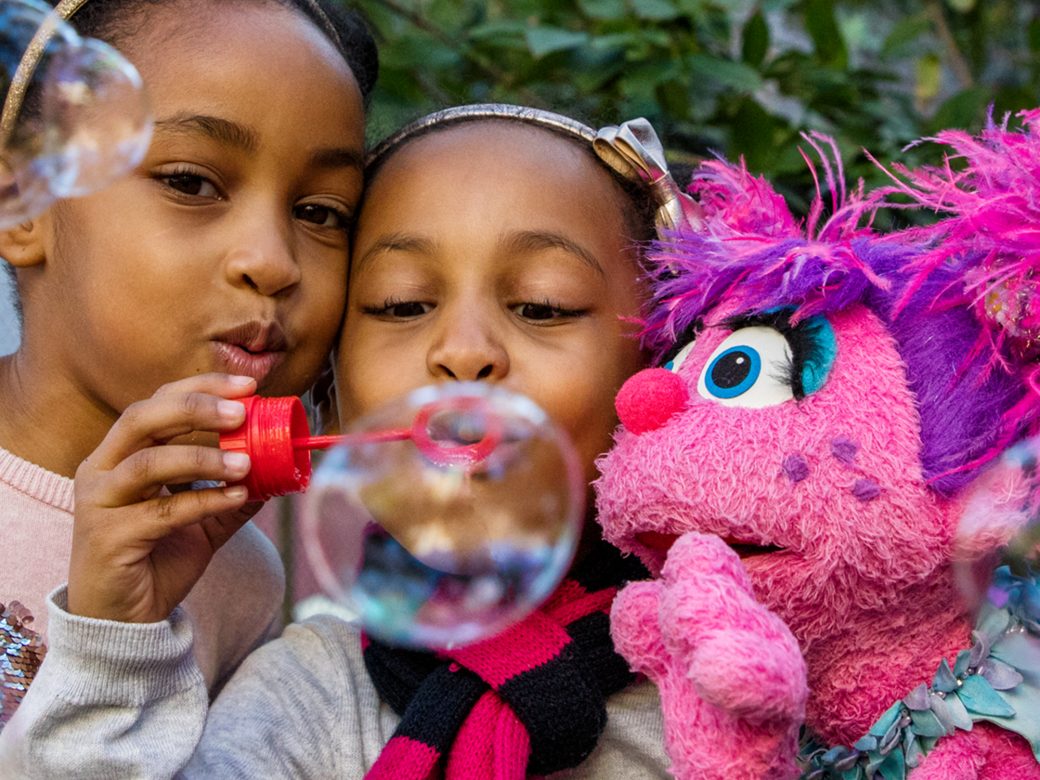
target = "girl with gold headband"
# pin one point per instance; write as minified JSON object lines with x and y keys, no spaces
{"x":493,"y":245}
{"x":224,"y":251}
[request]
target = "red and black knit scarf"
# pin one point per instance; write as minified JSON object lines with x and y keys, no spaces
{"x":532,"y":699}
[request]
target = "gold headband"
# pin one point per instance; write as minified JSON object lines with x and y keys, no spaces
{"x":64,"y":11}
{"x":30,"y":61}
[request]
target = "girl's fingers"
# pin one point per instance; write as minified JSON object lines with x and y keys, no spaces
{"x":143,"y":473}
{"x":173,"y":413}
{"x":227,"y":385}
{"x":218,"y":508}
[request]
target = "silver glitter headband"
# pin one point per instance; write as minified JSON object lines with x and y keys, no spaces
{"x":632,"y":149}
{"x":64,"y":11}
{"x":457,"y":114}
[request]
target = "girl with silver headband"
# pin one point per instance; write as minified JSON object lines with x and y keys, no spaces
{"x":493,"y":245}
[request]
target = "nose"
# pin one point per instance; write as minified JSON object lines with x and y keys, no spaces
{"x":467,"y":348}
{"x":262,"y":258}
{"x":649,"y":399}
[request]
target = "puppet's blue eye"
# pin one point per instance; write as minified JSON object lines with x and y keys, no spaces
{"x":750,"y":368}
{"x":733,"y":372}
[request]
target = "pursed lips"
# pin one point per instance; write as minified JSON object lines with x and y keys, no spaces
{"x":251,"y":349}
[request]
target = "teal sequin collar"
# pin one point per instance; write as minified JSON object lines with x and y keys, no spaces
{"x":996,"y":680}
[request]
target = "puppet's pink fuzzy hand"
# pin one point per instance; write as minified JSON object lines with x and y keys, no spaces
{"x":741,"y":657}
{"x":731,"y":676}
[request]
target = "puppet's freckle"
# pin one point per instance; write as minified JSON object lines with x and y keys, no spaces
{"x":844,"y":450}
{"x":795,"y":468}
{"x":866,"y":489}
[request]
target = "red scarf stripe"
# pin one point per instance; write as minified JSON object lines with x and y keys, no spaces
{"x":599,"y":601}
{"x":404,"y":758}
{"x":535,"y":641}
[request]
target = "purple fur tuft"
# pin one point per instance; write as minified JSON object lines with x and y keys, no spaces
{"x":752,"y":253}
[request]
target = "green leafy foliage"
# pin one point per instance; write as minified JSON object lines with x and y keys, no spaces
{"x":734,"y":77}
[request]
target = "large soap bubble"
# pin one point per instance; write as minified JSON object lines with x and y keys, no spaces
{"x":445,"y":517}
{"x":998,"y":537}
{"x":75,"y":115}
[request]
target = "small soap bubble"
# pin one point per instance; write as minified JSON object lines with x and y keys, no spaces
{"x":75,"y":115}
{"x":445,"y":517}
{"x":998,"y":536}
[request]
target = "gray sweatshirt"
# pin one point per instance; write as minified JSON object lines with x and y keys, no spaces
{"x":130,"y":702}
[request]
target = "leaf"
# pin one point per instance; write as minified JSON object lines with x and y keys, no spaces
{"x":822,"y":26}
{"x":905,"y":34}
{"x":980,"y":698}
{"x":655,"y":10}
{"x":925,"y":724}
{"x":951,"y":713}
{"x":945,"y":680}
{"x":724,"y":72}
{"x":755,"y":44}
{"x":927,"y":78}
{"x":961,"y":6}
{"x":889,"y":718}
{"x":497,"y":30}
{"x":603,"y":9}
{"x":965,"y":109}
{"x":547,"y":40}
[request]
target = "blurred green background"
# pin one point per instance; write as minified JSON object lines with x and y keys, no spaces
{"x":740,"y":78}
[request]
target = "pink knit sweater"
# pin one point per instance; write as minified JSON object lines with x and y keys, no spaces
{"x":232,"y":607}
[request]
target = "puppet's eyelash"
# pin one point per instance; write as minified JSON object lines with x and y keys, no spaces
{"x":806,"y":341}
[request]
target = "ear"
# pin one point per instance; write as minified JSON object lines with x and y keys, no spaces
{"x":23,"y":246}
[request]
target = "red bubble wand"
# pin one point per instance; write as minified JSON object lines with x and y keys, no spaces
{"x":277,"y":438}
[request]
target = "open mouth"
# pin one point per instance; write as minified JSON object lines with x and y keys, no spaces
{"x":745,"y":550}
{"x":662,"y":542}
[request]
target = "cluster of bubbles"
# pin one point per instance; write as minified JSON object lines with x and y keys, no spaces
{"x":453,"y":532}
{"x":75,"y":114}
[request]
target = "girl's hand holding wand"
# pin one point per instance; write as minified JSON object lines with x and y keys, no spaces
{"x":137,"y":550}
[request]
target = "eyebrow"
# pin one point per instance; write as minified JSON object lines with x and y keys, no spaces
{"x":223,"y":131}
{"x":395,"y":242}
{"x":537,"y":240}
{"x":239,"y":136}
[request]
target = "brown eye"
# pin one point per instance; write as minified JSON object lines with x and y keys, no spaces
{"x":406,"y":309}
{"x":537,"y":311}
{"x":191,"y":184}
{"x":545,"y":312}
{"x":323,"y":216}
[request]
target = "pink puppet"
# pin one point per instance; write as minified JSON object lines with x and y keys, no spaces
{"x":795,"y":471}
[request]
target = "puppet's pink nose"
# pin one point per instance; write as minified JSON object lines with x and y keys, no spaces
{"x":648,"y":399}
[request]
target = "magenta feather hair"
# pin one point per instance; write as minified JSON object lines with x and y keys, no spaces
{"x":987,"y":193}
{"x":986,"y":244}
{"x":752,"y":253}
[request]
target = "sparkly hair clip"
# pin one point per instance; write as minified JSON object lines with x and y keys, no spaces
{"x":634,"y":150}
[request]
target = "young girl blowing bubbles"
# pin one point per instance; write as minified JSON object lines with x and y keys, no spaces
{"x":492,"y":246}
{"x":224,"y":251}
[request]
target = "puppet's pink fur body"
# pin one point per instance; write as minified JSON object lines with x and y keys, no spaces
{"x":863,"y":578}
